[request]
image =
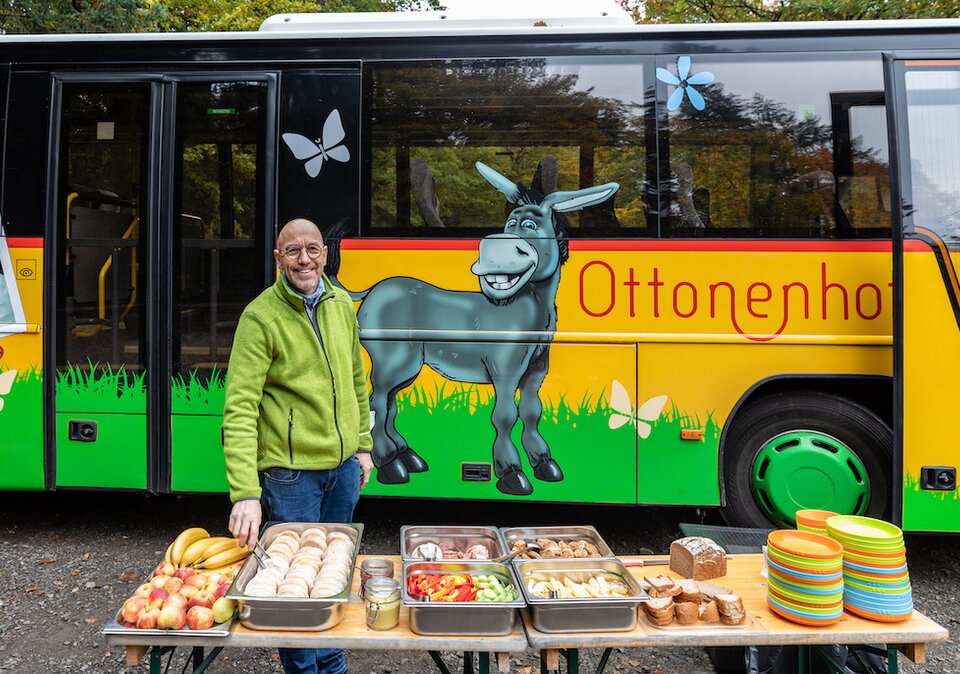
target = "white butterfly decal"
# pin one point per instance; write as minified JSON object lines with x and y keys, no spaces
{"x":314,"y":152}
{"x":623,"y":412}
{"x":6,"y":383}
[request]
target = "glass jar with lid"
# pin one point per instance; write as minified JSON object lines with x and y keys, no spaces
{"x":382,"y":598}
{"x":374,"y":567}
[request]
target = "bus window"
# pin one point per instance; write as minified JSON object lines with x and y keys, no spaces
{"x":554,"y":123}
{"x":102,"y":152}
{"x":933,"y":99}
{"x":750,"y":150}
{"x":11,"y":311}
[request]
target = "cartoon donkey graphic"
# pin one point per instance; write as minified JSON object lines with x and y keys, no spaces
{"x":518,"y":271}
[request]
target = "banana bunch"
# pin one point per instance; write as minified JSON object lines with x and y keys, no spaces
{"x":197,"y":548}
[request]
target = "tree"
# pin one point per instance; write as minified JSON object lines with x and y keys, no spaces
{"x":82,"y":16}
{"x":726,"y":11}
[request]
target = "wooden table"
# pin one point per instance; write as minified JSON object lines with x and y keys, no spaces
{"x":743,"y":577}
{"x":352,"y":633}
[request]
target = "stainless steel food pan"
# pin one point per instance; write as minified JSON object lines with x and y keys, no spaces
{"x":568,"y":534}
{"x":455,"y":538}
{"x":461,"y":618}
{"x":607,"y":614}
{"x":292,"y":613}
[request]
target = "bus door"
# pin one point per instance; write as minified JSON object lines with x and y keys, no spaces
{"x":99,"y":341}
{"x":926,"y":260}
{"x":161,"y":225}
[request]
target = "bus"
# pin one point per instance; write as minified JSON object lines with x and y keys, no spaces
{"x":593,"y":261}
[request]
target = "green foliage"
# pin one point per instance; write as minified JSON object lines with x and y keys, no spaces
{"x":139,"y":16}
{"x":726,"y":11}
{"x":82,"y":16}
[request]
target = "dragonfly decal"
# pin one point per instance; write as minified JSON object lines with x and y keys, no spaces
{"x":314,"y":152}
{"x":640,"y":418}
{"x":6,"y":383}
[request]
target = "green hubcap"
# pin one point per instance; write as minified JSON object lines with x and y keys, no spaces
{"x":806,"y":469}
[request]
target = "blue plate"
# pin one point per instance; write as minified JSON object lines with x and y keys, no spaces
{"x":878,"y":606}
{"x":803,"y":574}
{"x":803,"y":614}
{"x":875,"y":569}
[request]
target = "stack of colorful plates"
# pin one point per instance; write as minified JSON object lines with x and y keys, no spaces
{"x":804,"y":577}
{"x":814,"y":521}
{"x":876,"y":580}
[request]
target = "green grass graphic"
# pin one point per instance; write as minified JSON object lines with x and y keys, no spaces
{"x":925,"y":510}
{"x":199,"y":395}
{"x":21,"y":451}
{"x":96,"y":388}
{"x":450,"y":424}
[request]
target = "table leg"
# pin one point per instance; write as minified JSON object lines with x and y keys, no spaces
{"x":892,"y":667}
{"x":550,"y":661}
{"x":468,"y":662}
{"x":437,"y":660}
{"x":803,"y":660}
{"x":603,"y":660}
{"x":156,"y":653}
{"x":484,"y":658}
{"x":572,"y":656}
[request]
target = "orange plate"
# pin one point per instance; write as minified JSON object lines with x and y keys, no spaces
{"x":879,"y":617}
{"x":816,"y":519}
{"x":806,"y":604}
{"x":889,"y":554}
{"x":803,"y":621}
{"x":793,"y":566}
{"x":804,"y":544}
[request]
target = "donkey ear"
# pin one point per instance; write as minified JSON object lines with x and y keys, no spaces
{"x":564,"y":202}
{"x":502,"y":183}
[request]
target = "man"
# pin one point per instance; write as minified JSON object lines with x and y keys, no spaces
{"x":296,"y":423}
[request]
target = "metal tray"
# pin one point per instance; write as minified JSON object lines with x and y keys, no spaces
{"x":216,"y":630}
{"x":610,"y":614}
{"x":461,"y":618}
{"x":457,"y":538}
{"x":292,"y":613}
{"x":569,"y":533}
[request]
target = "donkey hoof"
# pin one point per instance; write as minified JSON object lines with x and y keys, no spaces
{"x":548,"y":471}
{"x":412,"y":461}
{"x":393,"y":472}
{"x":515,"y":483}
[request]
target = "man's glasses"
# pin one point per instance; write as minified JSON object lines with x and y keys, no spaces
{"x":294,"y":252}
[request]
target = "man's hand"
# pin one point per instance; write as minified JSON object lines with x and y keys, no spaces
{"x":366,"y":466}
{"x":245,"y":521}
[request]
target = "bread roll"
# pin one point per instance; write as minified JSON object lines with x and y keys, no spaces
{"x":698,"y":558}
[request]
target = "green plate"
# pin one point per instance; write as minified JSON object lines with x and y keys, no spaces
{"x":858,"y":527}
{"x":803,"y":563}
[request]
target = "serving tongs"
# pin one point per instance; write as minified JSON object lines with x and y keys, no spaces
{"x":263,"y":551}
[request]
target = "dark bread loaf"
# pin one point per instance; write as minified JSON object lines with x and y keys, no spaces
{"x":698,"y":558}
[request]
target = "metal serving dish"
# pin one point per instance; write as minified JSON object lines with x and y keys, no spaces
{"x":461,"y":618}
{"x":568,"y":534}
{"x":456,"y":538}
{"x":292,"y":613}
{"x":608,"y":614}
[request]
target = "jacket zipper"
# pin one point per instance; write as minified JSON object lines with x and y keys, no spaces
{"x":333,"y":378}
{"x":290,"y":436}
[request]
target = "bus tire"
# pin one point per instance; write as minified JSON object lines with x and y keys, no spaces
{"x":805,"y":450}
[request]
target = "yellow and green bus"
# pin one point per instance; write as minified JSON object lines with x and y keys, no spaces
{"x":593,"y":262}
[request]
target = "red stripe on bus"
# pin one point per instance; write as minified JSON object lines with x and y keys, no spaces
{"x":25,"y":242}
{"x":640,"y":245}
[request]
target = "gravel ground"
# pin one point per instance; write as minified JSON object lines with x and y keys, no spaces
{"x":69,"y":560}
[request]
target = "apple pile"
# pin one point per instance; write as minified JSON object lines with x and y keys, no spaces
{"x":178,"y":597}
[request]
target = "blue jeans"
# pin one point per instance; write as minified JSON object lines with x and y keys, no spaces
{"x":312,"y":496}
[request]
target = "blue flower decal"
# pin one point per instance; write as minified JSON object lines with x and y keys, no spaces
{"x":683,"y":83}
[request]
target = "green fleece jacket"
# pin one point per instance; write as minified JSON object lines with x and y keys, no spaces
{"x":296,"y":392}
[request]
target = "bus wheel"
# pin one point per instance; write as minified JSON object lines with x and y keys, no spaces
{"x":791,"y":451}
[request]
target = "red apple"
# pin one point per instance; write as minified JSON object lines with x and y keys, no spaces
{"x":132,"y":607}
{"x":223,"y":609}
{"x":172,"y":617}
{"x":164,"y":569}
{"x":222,"y":589}
{"x":198,"y":580}
{"x":147,"y":620}
{"x":211,"y":588}
{"x":157,"y":596}
{"x":173,"y":585}
{"x":215,"y":577}
{"x":199,"y":618}
{"x":188,"y":591}
{"x":184,"y":573}
{"x":201,"y":598}
{"x":159,"y":581}
{"x":144,"y":590}
{"x":176,"y":599}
